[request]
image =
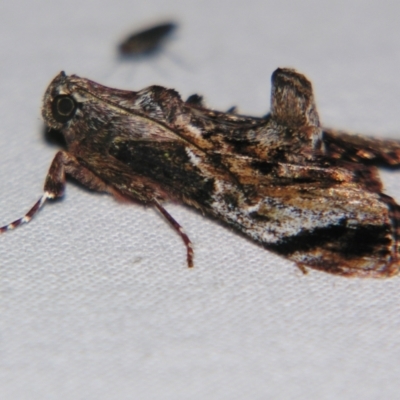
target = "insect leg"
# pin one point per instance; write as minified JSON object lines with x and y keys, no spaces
{"x":180,"y":231}
{"x":62,"y":164}
{"x":27,"y":217}
{"x":302,"y":268}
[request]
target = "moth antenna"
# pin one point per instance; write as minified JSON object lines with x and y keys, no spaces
{"x":180,"y":230}
{"x":28,"y":216}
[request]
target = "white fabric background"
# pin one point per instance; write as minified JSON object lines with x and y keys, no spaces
{"x":96,"y":300}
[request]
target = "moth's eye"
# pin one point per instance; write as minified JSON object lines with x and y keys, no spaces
{"x":63,"y":108}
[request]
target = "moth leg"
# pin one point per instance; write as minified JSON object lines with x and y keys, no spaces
{"x":62,"y":164}
{"x":179,"y":229}
{"x":350,"y":147}
{"x":302,"y":268}
{"x":27,"y":217}
{"x":196,"y":100}
{"x":232,"y":110}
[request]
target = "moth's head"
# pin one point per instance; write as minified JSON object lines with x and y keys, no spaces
{"x":59,"y":103}
{"x":70,"y":105}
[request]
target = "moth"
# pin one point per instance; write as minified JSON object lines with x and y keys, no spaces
{"x":147,"y":41}
{"x":305,"y":192}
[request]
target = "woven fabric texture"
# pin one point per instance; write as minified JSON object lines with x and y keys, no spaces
{"x":96,"y":301}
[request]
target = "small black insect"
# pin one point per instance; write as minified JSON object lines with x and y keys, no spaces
{"x":148,"y":41}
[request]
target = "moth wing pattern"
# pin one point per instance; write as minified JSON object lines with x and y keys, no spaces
{"x":358,"y":148}
{"x":309,"y":193}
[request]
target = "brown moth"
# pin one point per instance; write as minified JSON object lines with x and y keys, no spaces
{"x":310,"y":194}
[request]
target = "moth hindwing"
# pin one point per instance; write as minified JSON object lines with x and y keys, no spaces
{"x":306,"y":192}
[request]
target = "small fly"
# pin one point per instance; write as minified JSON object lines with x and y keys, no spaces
{"x":148,"y":41}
